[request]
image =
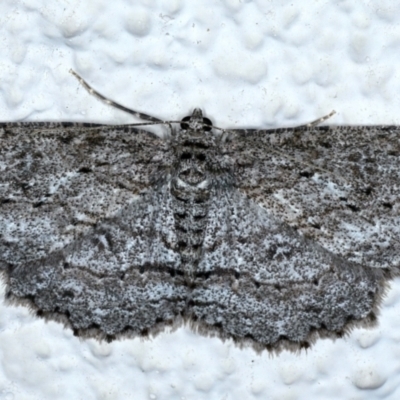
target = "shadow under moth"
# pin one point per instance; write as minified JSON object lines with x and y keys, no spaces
{"x":271,"y":237}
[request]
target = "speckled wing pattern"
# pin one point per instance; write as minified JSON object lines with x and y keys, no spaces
{"x":84,"y":212}
{"x":339,"y":185}
{"x":272,"y":238}
{"x":309,"y":236}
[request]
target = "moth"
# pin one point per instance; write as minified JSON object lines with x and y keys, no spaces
{"x":269,"y":237}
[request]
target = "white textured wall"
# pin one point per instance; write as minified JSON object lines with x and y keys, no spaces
{"x":260,"y":64}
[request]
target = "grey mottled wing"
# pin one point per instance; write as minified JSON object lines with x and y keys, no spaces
{"x":265,"y":282}
{"x":120,"y":277}
{"x":337,"y":185}
{"x":86,"y":231}
{"x":57,"y":180}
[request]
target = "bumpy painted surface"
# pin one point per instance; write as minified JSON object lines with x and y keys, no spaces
{"x":245,"y":64}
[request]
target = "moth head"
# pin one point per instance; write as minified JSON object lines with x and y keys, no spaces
{"x":196,"y":122}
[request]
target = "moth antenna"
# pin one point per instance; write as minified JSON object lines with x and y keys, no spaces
{"x":112,"y":103}
{"x":317,"y":121}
